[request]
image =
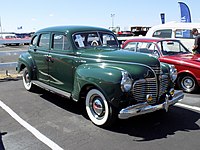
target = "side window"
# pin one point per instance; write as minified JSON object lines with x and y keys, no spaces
{"x":93,"y":39}
{"x":163,"y":33}
{"x":108,"y":40}
{"x":183,"y":33}
{"x":131,"y":46}
{"x":142,"y":47}
{"x":34,"y":40}
{"x":44,"y":40}
{"x":89,"y":39}
{"x":60,"y":42}
{"x":79,"y":40}
{"x":154,"y":50}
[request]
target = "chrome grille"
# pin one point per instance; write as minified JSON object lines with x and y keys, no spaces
{"x":163,"y":84}
{"x":156,"y":69}
{"x":143,"y":87}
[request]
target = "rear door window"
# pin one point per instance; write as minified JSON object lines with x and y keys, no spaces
{"x":183,"y":33}
{"x":60,"y":42}
{"x":44,"y":40}
{"x":163,"y":33}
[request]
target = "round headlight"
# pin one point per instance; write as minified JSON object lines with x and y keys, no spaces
{"x":126,"y":82}
{"x":173,"y":73}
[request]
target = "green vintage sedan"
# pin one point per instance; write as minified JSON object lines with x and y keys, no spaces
{"x":86,"y":64}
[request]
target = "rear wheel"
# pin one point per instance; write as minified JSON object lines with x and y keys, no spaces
{"x":100,"y":112}
{"x":27,"y":80}
{"x":187,"y":83}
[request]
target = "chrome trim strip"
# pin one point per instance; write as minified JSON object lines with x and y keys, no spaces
{"x":124,"y":62}
{"x":144,"y":108}
{"x":51,"y":89}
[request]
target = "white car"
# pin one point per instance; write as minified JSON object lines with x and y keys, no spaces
{"x":181,"y":31}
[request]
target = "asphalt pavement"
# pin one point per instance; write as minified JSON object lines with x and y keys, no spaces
{"x":42,"y":120}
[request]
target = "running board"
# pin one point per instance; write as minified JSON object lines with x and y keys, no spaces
{"x":51,"y":89}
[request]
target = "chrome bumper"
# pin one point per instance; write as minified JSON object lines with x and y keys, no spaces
{"x":143,"y":108}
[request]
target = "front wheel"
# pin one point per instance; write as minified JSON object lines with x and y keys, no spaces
{"x":187,"y":83}
{"x":100,"y":112}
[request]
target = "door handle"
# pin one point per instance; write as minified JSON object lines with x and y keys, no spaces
{"x":49,"y":58}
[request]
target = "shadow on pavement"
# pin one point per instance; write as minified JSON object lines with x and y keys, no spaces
{"x":61,"y":102}
{"x":159,"y":125}
{"x":1,"y":142}
{"x":156,"y":125}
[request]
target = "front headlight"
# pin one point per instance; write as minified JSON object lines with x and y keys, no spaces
{"x":173,"y":73}
{"x":126,"y":82}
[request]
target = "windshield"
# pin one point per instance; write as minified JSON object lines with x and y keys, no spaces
{"x":95,"y":39}
{"x":142,"y":47}
{"x":172,"y":48}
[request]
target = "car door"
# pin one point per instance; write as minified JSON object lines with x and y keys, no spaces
{"x":39,"y":50}
{"x":61,"y":66}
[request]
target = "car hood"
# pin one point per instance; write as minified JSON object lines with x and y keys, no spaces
{"x":185,"y":57}
{"x":120,"y":56}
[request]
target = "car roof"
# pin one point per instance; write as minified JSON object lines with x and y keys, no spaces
{"x":177,"y":25}
{"x":149,"y":39}
{"x":72,"y":29}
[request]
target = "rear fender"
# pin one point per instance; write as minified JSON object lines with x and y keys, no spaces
{"x":26,"y":60}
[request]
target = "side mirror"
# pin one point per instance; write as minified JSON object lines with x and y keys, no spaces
{"x":33,"y":47}
{"x":156,"y":54}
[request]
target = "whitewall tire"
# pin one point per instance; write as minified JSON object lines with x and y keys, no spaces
{"x":98,"y":109}
{"x":27,"y":80}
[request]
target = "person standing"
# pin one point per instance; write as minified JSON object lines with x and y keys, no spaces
{"x":196,"y":47}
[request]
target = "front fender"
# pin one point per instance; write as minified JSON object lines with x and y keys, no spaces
{"x":102,"y":76}
{"x":26,"y":60}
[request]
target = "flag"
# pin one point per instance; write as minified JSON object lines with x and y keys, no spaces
{"x":162,"y":16}
{"x":0,"y":22}
{"x":185,"y":12}
{"x":0,"y":26}
{"x":19,"y":27}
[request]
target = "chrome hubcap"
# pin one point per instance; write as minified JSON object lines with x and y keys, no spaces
{"x":188,"y":83}
{"x":26,"y":78}
{"x":97,"y":107}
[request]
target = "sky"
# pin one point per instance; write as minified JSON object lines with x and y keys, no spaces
{"x":37,"y":14}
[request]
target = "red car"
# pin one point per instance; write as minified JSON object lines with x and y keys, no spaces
{"x":171,"y":51}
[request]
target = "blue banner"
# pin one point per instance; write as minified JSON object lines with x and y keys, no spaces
{"x":162,"y":16}
{"x":185,"y":12}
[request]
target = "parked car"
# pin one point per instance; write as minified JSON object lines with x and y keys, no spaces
{"x":86,"y":64}
{"x":175,"y":30}
{"x":171,"y":51}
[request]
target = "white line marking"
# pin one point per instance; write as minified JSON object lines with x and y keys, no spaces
{"x":34,"y":131}
{"x":8,"y":63}
{"x":188,"y":106}
{"x":14,"y":50}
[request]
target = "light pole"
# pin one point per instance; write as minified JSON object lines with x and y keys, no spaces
{"x":0,"y":27}
{"x":112,"y":16}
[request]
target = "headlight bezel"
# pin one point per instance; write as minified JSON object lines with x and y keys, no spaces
{"x":126,"y":81}
{"x":173,"y":72}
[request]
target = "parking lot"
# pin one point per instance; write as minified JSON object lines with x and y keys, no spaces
{"x":41,"y":120}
